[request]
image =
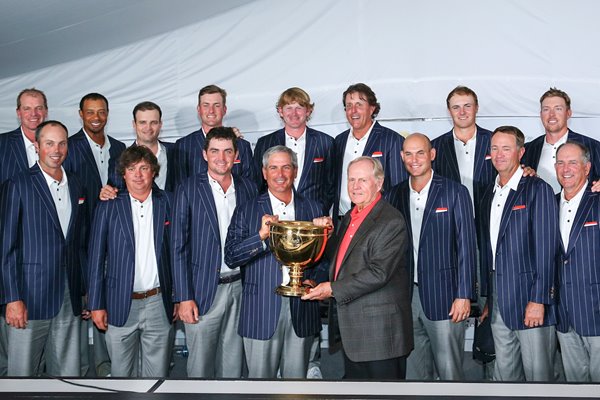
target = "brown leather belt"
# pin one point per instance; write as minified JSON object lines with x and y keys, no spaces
{"x":143,"y":295}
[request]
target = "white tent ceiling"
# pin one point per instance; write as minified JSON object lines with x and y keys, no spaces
{"x":39,"y":33}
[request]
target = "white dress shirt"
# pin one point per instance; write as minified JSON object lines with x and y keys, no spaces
{"x":567,"y":212}
{"x":101,"y":156}
{"x":146,"y":267}
{"x":546,"y":169}
{"x":498,"y":203}
{"x":225,"y":204}
{"x":62,"y":199}
{"x":285,"y":212}
{"x":465,"y":156}
{"x":161,"y":155}
{"x":354,"y":149}
{"x":298,"y":146}
{"x":418,"y":200}
{"x":32,"y":155}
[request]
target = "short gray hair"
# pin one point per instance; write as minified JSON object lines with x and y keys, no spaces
{"x":585,"y":152}
{"x":377,"y":167}
{"x":279,"y":149}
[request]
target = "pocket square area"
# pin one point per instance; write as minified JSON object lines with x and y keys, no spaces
{"x":519,"y":207}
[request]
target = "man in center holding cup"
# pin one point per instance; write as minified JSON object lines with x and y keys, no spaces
{"x":277,"y":331}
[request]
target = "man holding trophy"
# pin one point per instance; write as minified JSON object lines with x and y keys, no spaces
{"x":370,"y":318}
{"x":277,"y":330}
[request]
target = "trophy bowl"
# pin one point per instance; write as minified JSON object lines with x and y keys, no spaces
{"x":297,"y":244}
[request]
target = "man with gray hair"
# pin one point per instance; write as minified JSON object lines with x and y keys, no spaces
{"x":369,"y":315}
{"x":278,"y":331}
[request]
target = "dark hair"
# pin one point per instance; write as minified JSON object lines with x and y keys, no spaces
{"x":363,"y":91}
{"x":147,"y":106}
{"x":210,"y":89}
{"x":554,"y":92}
{"x":221,"y":133}
{"x":586,"y":157}
{"x":92,"y":96}
{"x":461,"y":91}
{"x":133,"y":155}
{"x":32,"y":92}
{"x":514,"y":131}
{"x":38,"y":130}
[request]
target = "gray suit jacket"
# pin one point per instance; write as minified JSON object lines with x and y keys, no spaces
{"x":372,"y":288}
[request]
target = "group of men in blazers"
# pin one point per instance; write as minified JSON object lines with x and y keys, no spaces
{"x":182,"y":233}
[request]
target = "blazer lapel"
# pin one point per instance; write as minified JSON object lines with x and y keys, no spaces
{"x":450,"y":152}
{"x":205,"y":192}
{"x":373,"y":143}
{"x":341,"y":231}
{"x":74,"y":194}
{"x":309,"y":156}
{"x":431,"y":200}
{"x":88,"y":156}
{"x":508,"y":206}
{"x":582,"y":214}
{"x":159,"y":214}
{"x":18,"y":148}
{"x":481,"y":151}
{"x":125,"y":220}
{"x":41,"y":187}
{"x":198,"y":159}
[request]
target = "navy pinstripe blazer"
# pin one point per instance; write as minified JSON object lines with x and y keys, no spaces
{"x":526,"y":251}
{"x":35,"y":253}
{"x":13,"y":156}
{"x":191,"y":162}
{"x":446,"y":164}
{"x":447,"y":246}
{"x":171,"y":169}
{"x":196,"y":239}
{"x":261,"y":272}
{"x":579,"y":271}
{"x":381,"y":140}
{"x":533,"y":152}
{"x":80,"y":162}
{"x":316,"y":182}
{"x":112,"y":239}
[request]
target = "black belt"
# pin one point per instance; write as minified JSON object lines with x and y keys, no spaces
{"x":144,"y":295}
{"x":229,"y":279}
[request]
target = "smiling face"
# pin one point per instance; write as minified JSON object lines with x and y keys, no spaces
{"x":94,"y":115}
{"x":211,"y":111}
{"x":571,"y":170}
{"x":220,"y":157}
{"x":138,"y":177}
{"x":555,"y":114}
{"x":505,"y":154}
{"x":294,"y":115}
{"x":363,"y":187}
{"x":31,"y":113}
{"x":417,"y":155}
{"x":463,"y":110}
{"x":147,"y":125}
{"x":52,"y":148}
{"x":359,"y":113}
{"x":280,"y":174}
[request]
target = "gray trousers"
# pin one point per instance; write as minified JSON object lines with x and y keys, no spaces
{"x":3,"y":343}
{"x":216,"y":349}
{"x":521,"y":355}
{"x":57,"y":339}
{"x":147,"y":328}
{"x":439,"y":346}
{"x":580,"y":356}
{"x":285,"y":351}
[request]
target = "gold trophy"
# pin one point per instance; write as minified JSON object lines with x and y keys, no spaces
{"x":297,"y":244}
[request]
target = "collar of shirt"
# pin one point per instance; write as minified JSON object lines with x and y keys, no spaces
{"x":301,"y":140}
{"x":513,"y":182}
{"x":470,"y":141}
{"x":574,"y":202}
{"x":425,"y":189}
{"x":560,"y":141}
{"x":364,"y":138}
{"x":50,"y":180}
{"x":359,"y":215}
{"x":279,"y":207}
{"x":140,"y":204}
{"x":28,"y":143}
{"x":216,"y":186}
{"x":94,"y":144}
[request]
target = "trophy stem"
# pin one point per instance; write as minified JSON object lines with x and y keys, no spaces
{"x":294,"y":288}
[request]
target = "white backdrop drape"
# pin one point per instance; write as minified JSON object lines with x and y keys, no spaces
{"x":412,"y":53}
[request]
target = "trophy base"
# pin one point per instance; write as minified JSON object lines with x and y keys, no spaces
{"x":291,"y":291}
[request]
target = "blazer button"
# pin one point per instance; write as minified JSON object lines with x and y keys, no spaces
{"x":566,"y":262}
